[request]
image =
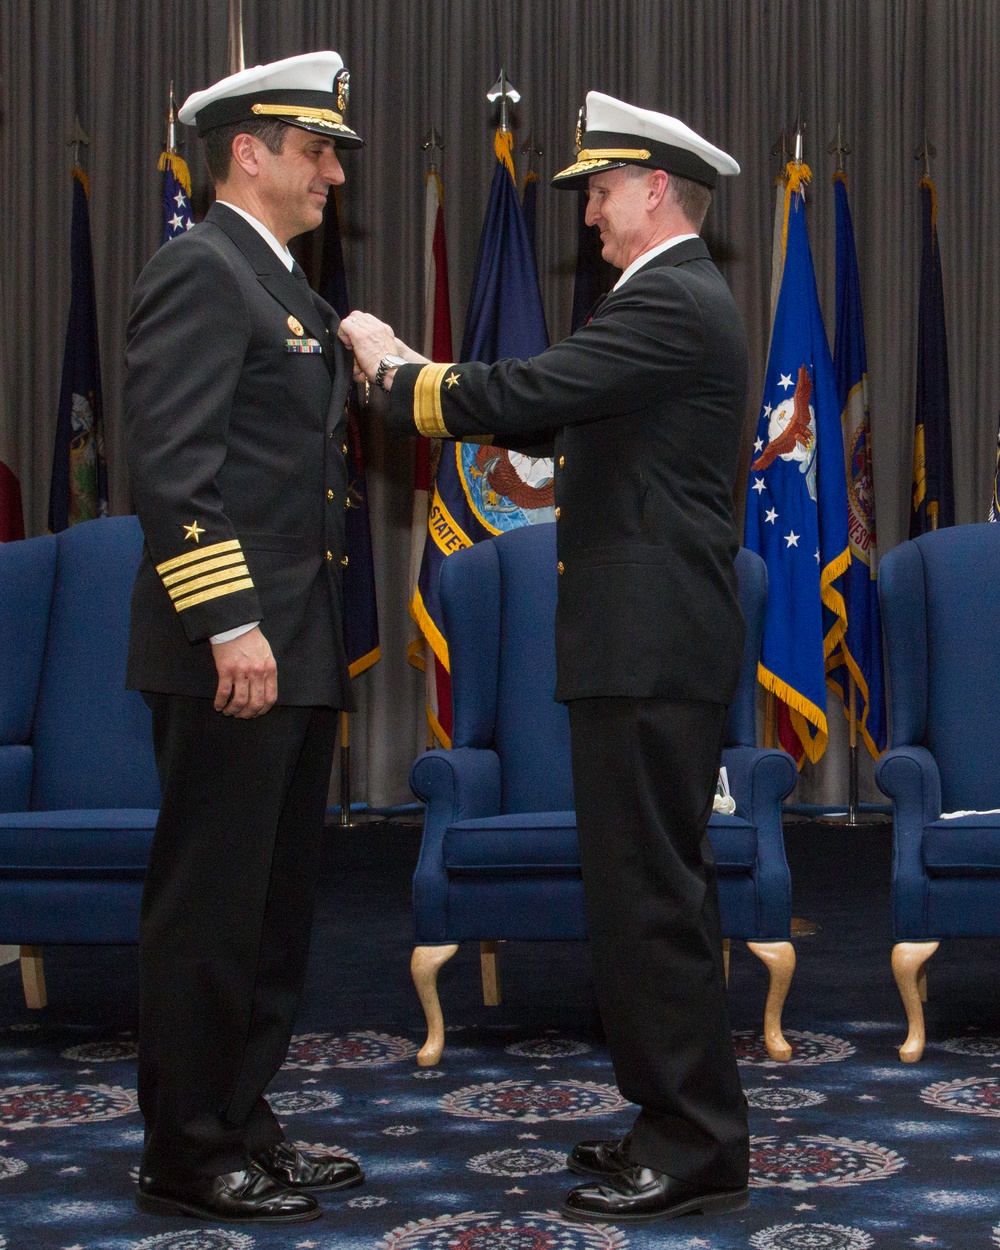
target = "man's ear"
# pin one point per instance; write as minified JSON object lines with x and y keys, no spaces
{"x":659,"y":180}
{"x":246,"y":154}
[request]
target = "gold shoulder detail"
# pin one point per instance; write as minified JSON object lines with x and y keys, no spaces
{"x":427,"y":415}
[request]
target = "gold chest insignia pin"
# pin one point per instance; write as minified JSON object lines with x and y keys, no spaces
{"x":295,"y":325}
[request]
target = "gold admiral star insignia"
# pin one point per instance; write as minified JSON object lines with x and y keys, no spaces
{"x":451,"y":380}
{"x":295,"y":325}
{"x":193,"y":531}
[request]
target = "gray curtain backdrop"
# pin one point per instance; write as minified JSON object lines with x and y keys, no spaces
{"x":889,"y":71}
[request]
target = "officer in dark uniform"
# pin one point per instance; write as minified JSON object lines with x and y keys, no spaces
{"x":234,"y":404}
{"x":647,"y":405}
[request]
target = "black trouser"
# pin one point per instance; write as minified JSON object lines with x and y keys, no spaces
{"x":226,"y":918}
{"x":644,"y":774}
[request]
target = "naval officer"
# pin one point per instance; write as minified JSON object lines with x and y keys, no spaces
{"x":647,"y":404}
{"x":235,"y":425}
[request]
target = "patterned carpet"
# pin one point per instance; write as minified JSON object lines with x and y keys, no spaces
{"x":852,"y":1150}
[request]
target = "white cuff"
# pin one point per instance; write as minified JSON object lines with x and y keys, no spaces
{"x":228,"y":635}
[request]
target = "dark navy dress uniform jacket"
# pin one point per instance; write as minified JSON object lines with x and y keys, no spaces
{"x":235,"y":425}
{"x":645,"y":405}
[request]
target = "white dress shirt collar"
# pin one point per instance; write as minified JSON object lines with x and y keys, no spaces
{"x":646,"y":257}
{"x":282,"y":252}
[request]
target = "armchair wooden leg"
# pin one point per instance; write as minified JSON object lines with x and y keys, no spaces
{"x":780,"y":960}
{"x":33,"y":977}
{"x":491,"y":973}
{"x":425,"y":964}
{"x":908,"y":962}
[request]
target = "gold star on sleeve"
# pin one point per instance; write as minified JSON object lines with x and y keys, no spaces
{"x":451,"y":380}
{"x":193,"y":531}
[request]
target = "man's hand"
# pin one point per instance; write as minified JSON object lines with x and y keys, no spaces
{"x":248,"y":675}
{"x":370,"y":340}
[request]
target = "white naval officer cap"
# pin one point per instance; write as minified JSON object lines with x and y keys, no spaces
{"x":620,"y":134}
{"x":309,"y":91}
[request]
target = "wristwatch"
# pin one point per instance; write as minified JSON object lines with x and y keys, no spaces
{"x":384,"y":365}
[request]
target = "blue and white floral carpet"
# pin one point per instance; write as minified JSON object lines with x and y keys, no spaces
{"x":852,"y":1150}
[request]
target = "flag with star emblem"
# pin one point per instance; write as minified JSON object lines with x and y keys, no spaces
{"x":933,"y":488}
{"x":79,"y":489}
{"x":361,"y":640}
{"x":796,"y":512}
{"x":860,"y":651}
{"x":436,"y":346}
{"x":478,"y":490}
{"x":177,"y":215}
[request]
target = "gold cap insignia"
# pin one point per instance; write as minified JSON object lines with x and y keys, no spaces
{"x":295,"y":325}
{"x":581,"y":125}
{"x":343,"y":85}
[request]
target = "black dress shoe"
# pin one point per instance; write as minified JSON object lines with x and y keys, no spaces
{"x":298,"y":1171}
{"x":599,"y":1158}
{"x":245,"y":1197}
{"x":639,"y":1193}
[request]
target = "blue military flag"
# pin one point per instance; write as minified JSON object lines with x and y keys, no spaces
{"x":860,"y":651}
{"x":796,"y":513}
{"x":176,"y":195}
{"x":933,"y":489}
{"x":361,"y":638}
{"x":79,"y":490}
{"x":480,"y":491}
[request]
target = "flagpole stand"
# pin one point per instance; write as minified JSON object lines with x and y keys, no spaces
{"x":854,"y":817}
{"x":349,"y":819}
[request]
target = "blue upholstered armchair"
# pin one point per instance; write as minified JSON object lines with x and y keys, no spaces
{"x":940,"y":601}
{"x":78,"y":787}
{"x":499,"y":858}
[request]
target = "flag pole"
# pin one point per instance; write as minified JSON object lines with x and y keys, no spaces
{"x":925,"y":154}
{"x":236,"y":61}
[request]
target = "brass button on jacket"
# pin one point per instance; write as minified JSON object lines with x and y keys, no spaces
{"x":343,"y":560}
{"x":558,"y":513}
{"x":560,"y":568}
{"x":329,"y":495}
{"x":329,"y":555}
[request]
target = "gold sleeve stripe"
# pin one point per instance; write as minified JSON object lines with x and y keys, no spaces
{"x":212,"y":579}
{"x":232,"y":544}
{"x":233,"y":557}
{"x":427,"y":401}
{"x":216,"y":592}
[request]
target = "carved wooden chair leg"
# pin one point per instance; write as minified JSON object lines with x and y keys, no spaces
{"x":425,"y":964}
{"x":780,"y":960}
{"x":908,"y":962}
{"x":725,"y":958}
{"x":488,"y":952}
{"x":33,"y":977}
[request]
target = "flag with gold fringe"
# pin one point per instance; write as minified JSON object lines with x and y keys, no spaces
{"x":796,"y":511}
{"x":361,"y":637}
{"x":79,"y":489}
{"x":933,"y":487}
{"x":436,"y":346}
{"x":176,"y":195}
{"x":480,"y":491}
{"x":859,"y":655}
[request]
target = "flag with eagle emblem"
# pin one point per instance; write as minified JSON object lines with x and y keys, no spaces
{"x":796,"y":513}
{"x":480,"y":490}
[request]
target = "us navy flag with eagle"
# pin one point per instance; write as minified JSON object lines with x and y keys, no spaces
{"x":796,"y":513}
{"x":479,"y":490}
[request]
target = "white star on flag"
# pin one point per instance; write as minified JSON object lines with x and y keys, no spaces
{"x":804,"y":1206}
{"x":758,"y":485}
{"x":817,"y":555}
{"x":759,"y":445}
{"x":962,"y":1158}
{"x":767,"y":410}
{"x":175,"y":222}
{"x":792,"y":539}
{"x":180,"y":199}
{"x":771,"y":516}
{"x":786,"y":381}
{"x":515,"y":1190}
